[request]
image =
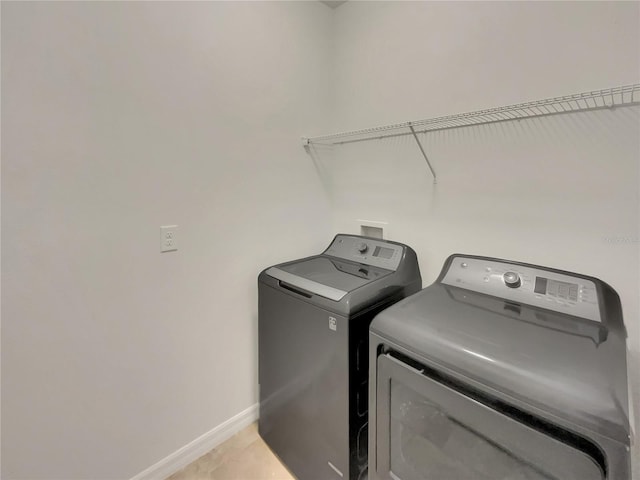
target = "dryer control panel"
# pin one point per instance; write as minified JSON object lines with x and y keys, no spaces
{"x":537,"y":286}
{"x":377,"y":253}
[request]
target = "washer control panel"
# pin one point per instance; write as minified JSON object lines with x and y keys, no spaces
{"x":535,"y":286}
{"x":377,"y":253}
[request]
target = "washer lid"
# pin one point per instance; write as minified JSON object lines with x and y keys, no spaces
{"x":328,"y":277}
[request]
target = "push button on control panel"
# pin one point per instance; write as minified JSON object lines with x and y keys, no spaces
{"x":512,"y":279}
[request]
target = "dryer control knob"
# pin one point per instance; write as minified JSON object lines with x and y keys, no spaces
{"x":511,"y":279}
{"x":362,"y":247}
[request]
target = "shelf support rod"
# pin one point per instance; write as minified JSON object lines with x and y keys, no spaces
{"x":413,"y":132}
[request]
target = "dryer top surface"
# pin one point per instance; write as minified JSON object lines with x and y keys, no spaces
{"x":567,"y":366}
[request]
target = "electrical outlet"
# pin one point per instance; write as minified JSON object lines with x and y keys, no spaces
{"x":168,"y":240}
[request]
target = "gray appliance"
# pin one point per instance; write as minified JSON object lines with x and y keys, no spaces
{"x":314,"y":316}
{"x":500,"y":370}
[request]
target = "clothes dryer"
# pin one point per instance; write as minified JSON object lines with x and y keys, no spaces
{"x":500,"y":370}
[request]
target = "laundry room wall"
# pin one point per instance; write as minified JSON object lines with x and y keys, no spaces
{"x":117,"y":118}
{"x":559,"y":191}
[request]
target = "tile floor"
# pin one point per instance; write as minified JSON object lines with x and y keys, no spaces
{"x":244,"y":456}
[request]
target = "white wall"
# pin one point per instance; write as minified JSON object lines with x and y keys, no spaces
{"x":121,"y":117}
{"x":560,"y":191}
{"x":118,"y":118}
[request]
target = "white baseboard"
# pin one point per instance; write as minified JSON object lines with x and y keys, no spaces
{"x":198,"y":447}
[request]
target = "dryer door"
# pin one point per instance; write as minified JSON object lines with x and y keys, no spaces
{"x":429,"y":431}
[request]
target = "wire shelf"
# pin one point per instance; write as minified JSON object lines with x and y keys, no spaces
{"x":595,"y":100}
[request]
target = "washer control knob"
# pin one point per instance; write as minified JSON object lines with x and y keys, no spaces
{"x":511,"y":279}
{"x":362,"y":247}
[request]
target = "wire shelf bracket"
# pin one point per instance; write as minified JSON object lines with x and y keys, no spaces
{"x":415,"y":136}
{"x":608,"y":98}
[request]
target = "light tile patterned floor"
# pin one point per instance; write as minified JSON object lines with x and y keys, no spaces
{"x":244,"y":456}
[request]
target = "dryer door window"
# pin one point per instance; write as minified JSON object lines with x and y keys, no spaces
{"x":427,"y":430}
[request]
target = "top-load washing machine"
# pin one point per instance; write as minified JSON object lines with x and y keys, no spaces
{"x":314,"y":316}
{"x":500,"y":370}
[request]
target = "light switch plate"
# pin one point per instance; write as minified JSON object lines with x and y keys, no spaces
{"x":168,"y":238}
